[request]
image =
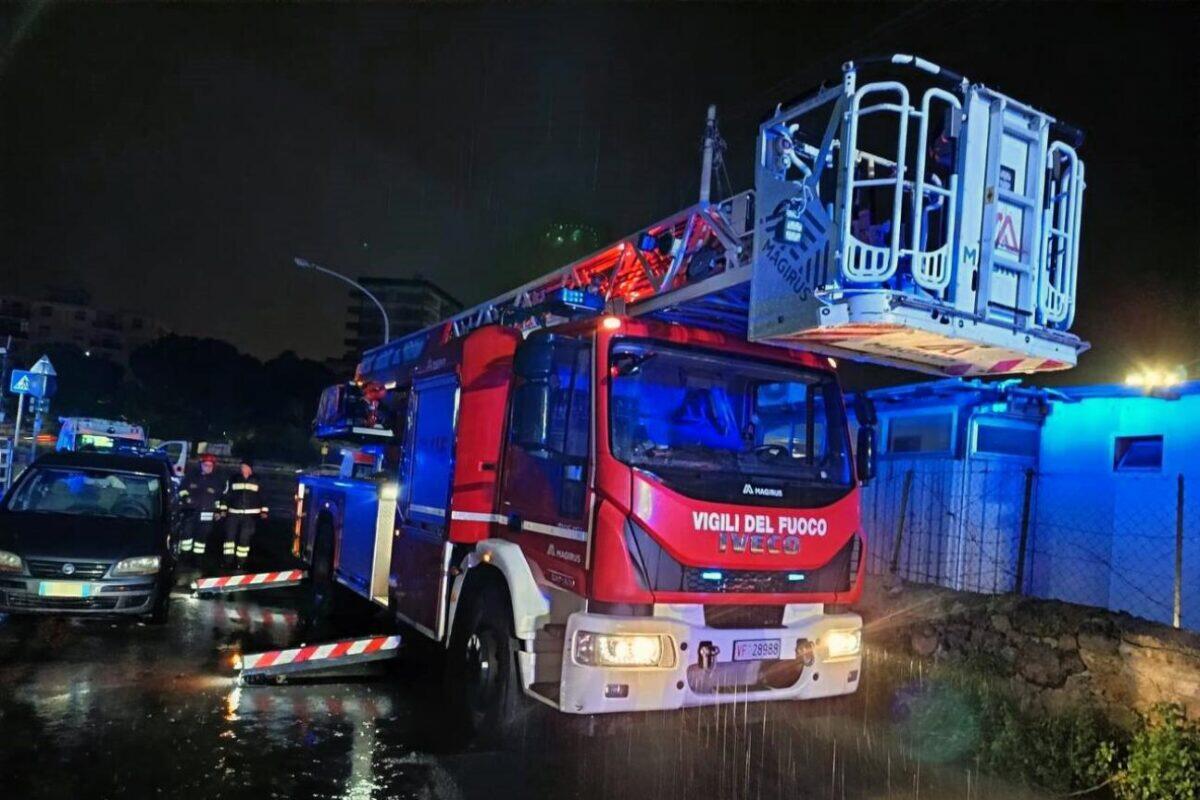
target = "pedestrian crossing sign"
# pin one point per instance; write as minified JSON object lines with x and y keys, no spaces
{"x":25,"y":382}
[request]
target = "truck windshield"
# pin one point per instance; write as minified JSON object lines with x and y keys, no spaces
{"x":690,"y":410}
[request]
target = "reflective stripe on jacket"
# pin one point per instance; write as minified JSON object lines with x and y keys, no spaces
{"x":242,"y":496}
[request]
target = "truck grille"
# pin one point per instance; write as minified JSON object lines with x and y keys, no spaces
{"x":835,"y":576}
{"x":736,"y":581}
{"x":84,"y":570}
{"x":743,"y":616}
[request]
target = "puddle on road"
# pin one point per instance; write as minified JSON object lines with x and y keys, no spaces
{"x":127,"y":711}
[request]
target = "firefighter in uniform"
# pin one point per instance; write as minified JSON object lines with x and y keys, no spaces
{"x":243,"y":507}
{"x":200,"y":497}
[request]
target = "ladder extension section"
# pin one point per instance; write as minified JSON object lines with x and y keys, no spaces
{"x":939,"y":234}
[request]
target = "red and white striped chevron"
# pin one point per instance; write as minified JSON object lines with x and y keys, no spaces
{"x":227,"y":614}
{"x":344,"y":650}
{"x":256,"y":580}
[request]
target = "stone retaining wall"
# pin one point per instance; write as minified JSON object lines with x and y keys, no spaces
{"x":1047,"y":652}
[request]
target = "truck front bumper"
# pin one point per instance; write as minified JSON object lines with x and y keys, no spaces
{"x":701,"y":668}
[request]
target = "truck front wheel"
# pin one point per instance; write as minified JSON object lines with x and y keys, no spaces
{"x":323,"y":589}
{"x":482,"y":665}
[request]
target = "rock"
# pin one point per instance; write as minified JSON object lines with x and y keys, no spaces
{"x":1067,"y":643}
{"x":1038,"y":663}
{"x":1071,"y":663}
{"x":1001,"y":623}
{"x":1076,"y":692}
{"x":1096,"y":641}
{"x":924,"y":641}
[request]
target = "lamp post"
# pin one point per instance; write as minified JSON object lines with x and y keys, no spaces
{"x":304,"y":263}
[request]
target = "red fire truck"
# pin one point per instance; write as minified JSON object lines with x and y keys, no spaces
{"x":596,"y":491}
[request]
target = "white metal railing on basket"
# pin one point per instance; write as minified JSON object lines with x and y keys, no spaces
{"x":931,"y":270}
{"x":863,"y":262}
{"x":1057,"y":273}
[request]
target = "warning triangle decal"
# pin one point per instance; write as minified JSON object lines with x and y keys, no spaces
{"x":1006,"y":237}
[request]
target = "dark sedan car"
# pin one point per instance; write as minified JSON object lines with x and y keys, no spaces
{"x":88,"y":533}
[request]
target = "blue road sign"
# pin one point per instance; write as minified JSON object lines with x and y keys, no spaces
{"x":26,"y":382}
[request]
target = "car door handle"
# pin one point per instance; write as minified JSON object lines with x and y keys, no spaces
{"x":514,"y":522}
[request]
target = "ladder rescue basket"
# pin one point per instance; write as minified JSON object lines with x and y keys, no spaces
{"x":929,"y":224}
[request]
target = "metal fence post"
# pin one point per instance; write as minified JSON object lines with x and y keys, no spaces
{"x":1177,"y":617}
{"x":1019,"y":583}
{"x":908,"y":477}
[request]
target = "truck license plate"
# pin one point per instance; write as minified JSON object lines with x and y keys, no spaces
{"x":63,"y":589}
{"x":755,"y":649}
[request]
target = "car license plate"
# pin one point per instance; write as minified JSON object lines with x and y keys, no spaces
{"x":755,"y":649}
{"x":63,"y":589}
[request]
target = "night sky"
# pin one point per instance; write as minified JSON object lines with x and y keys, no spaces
{"x":173,"y":159}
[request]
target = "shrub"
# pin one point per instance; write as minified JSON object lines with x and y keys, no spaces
{"x":1164,"y":758}
{"x":953,"y":716}
{"x":1062,"y":752}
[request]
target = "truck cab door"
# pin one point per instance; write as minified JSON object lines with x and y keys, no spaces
{"x":545,"y":489}
{"x":421,"y":552}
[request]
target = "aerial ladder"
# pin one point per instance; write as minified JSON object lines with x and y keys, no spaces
{"x":918,"y":221}
{"x":536,"y":491}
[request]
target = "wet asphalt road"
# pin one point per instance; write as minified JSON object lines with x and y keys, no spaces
{"x":100,"y":709}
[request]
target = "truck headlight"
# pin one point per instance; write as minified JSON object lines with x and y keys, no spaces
{"x":389,"y":491}
{"x":10,"y":562}
{"x":623,"y":649}
{"x":141,"y":565}
{"x":843,"y":644}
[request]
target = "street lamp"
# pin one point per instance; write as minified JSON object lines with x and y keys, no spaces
{"x":304,"y":263}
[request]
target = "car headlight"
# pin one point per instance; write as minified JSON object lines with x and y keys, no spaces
{"x":623,"y":650}
{"x":843,"y":644}
{"x":10,"y":562}
{"x":141,"y":565}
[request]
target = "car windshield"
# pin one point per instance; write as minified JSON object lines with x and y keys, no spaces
{"x":695,"y":410}
{"x":88,"y":492}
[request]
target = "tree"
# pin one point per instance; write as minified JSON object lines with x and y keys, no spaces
{"x":194,"y":388}
{"x":87,"y":385}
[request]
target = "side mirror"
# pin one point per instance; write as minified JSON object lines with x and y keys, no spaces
{"x":534,"y":359}
{"x":864,"y":454}
{"x":531,"y":416}
{"x":864,"y":410}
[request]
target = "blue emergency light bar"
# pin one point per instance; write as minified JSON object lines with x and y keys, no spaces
{"x":563,"y":302}
{"x":576,"y":300}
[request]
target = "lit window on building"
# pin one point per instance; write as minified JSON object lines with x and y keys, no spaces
{"x":922,"y":433}
{"x":1138,"y":454}
{"x":1006,"y":440}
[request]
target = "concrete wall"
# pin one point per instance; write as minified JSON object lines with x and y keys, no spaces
{"x":1107,"y":538}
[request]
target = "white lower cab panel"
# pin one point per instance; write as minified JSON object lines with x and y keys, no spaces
{"x":810,"y":655}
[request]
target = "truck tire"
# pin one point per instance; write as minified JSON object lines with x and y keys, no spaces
{"x":323,"y":588}
{"x":482,"y":666}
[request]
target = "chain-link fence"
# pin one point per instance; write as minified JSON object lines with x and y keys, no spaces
{"x":1127,"y":542}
